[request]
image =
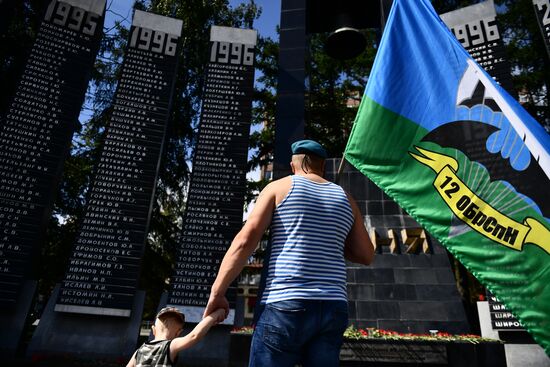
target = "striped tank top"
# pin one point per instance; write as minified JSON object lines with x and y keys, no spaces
{"x":308,"y":231}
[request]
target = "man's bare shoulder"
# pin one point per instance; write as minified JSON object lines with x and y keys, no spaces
{"x":282,"y":182}
{"x":278,"y":188}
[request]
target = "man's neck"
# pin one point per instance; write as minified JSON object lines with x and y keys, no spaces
{"x":312,"y":175}
{"x":309,"y":173}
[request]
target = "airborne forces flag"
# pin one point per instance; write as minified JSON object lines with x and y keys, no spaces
{"x":462,"y":157}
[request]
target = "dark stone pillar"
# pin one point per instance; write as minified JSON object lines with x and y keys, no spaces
{"x":290,"y":111}
{"x":542,"y":7}
{"x":477,"y":30}
{"x":215,"y":200}
{"x":97,"y":309}
{"x":35,"y":138}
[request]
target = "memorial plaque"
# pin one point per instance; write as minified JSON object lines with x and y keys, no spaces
{"x":394,"y":354}
{"x":36,"y":132}
{"x":104,"y":265}
{"x":501,"y":317}
{"x":477,"y":30}
{"x":542,"y":9}
{"x":216,"y":191}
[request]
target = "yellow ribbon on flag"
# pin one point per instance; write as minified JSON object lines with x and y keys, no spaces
{"x":475,"y":212}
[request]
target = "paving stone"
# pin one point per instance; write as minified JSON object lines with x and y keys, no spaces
{"x":352,"y":313}
{"x":393,"y":221}
{"x":374,"y":208}
{"x":421,"y":310}
{"x":445,"y":276}
{"x":391,"y":208}
{"x":363,"y":324}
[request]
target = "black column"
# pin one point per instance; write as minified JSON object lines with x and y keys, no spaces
{"x":542,"y":10}
{"x":104,"y":266}
{"x":97,"y":301}
{"x":216,"y":193}
{"x":476,"y":29}
{"x":35,"y":138}
{"x":290,"y":110}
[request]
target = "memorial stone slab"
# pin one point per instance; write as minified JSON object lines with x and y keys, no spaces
{"x":35,"y":134}
{"x":216,"y":192}
{"x":104,"y":266}
{"x":475,"y":27}
{"x":542,"y":10}
{"x":290,"y":110}
{"x":501,"y":317}
{"x":35,"y":137}
{"x":96,"y":311}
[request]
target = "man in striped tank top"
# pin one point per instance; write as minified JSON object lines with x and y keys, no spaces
{"x":315,"y":226}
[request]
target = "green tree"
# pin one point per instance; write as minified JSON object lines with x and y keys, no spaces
{"x":331,"y":86}
{"x":16,"y":41}
{"x":526,"y":50}
{"x":262,"y":138}
{"x":333,"y":91}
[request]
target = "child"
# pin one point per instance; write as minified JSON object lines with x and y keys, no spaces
{"x":163,"y":350}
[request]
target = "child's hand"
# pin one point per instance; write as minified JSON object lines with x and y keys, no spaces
{"x":218,"y":315}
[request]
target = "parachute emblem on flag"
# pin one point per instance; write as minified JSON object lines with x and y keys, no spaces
{"x":497,"y":169}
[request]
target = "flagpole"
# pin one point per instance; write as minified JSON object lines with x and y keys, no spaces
{"x":340,"y":169}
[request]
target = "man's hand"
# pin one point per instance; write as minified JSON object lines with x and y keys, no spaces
{"x":214,"y":303}
{"x":218,"y":315}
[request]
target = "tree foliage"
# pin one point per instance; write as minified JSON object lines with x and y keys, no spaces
{"x":526,"y":50}
{"x":333,"y":91}
{"x":16,"y":40}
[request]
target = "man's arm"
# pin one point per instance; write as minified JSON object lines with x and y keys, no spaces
{"x":241,"y":248}
{"x":358,"y":247}
{"x":198,"y":332}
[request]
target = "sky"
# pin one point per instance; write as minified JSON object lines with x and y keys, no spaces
{"x":265,"y":25}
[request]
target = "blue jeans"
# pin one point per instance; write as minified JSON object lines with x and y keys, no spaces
{"x":307,"y":332}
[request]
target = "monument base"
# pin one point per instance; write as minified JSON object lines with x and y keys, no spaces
{"x":13,"y":321}
{"x":396,"y":353}
{"x":520,"y":348}
{"x":212,"y":351}
{"x":64,"y":337}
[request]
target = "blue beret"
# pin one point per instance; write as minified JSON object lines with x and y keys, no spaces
{"x":308,"y":146}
